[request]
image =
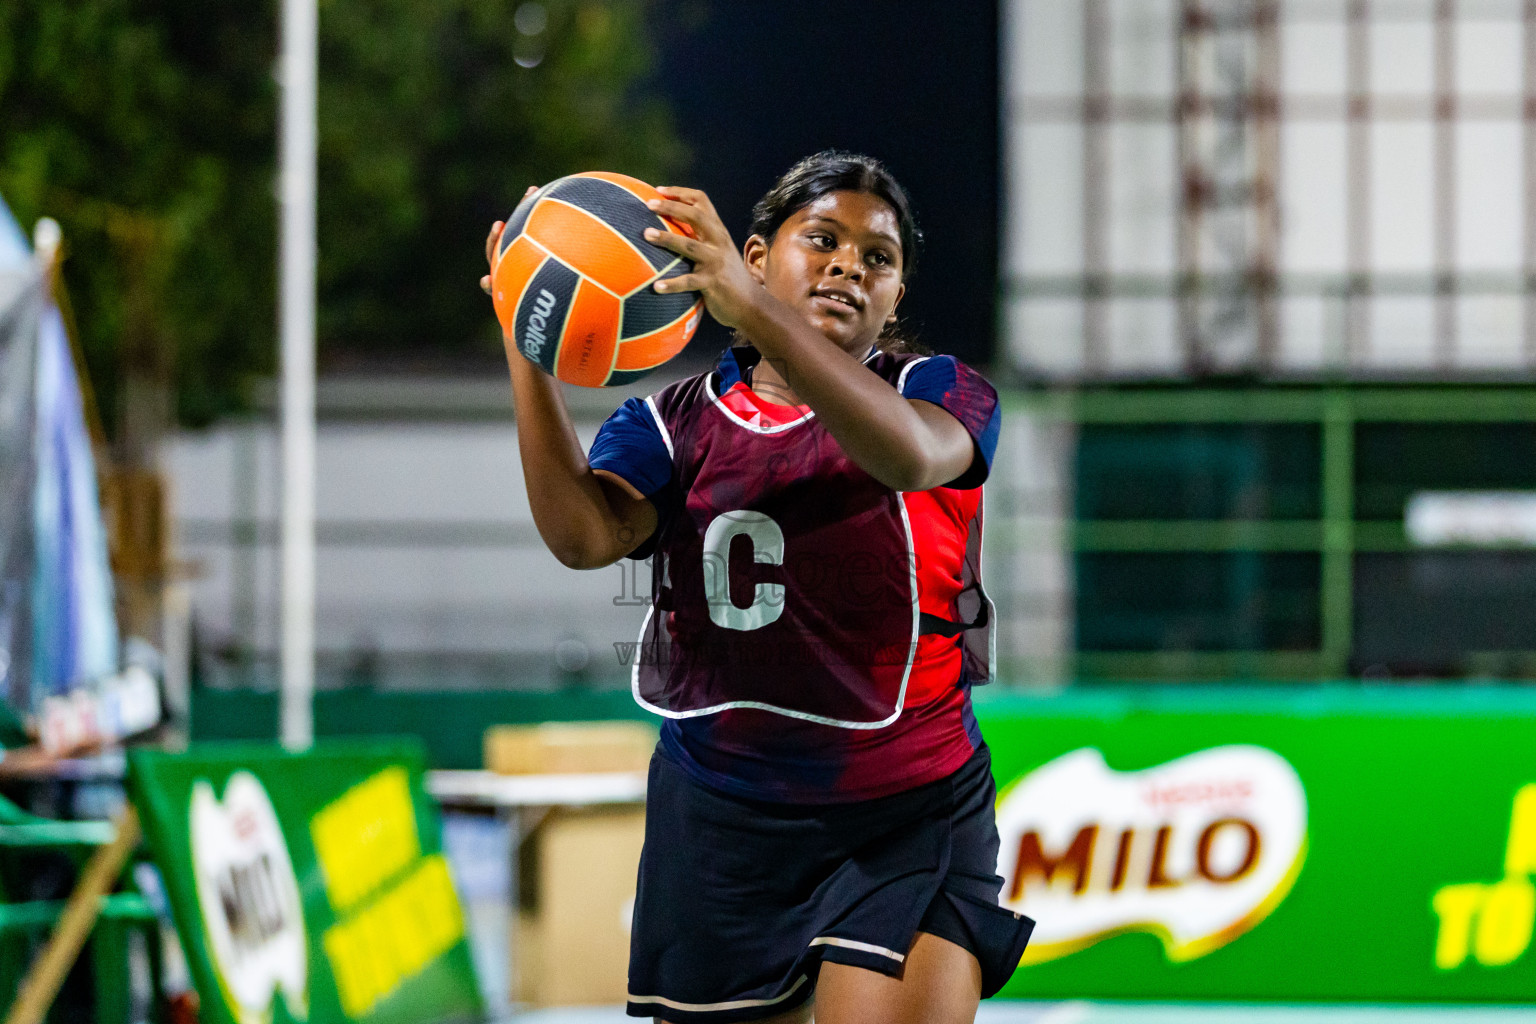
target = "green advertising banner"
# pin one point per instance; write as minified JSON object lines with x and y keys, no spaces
{"x":1345,"y":844}
{"x":308,"y":887}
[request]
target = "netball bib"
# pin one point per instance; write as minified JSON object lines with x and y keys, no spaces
{"x":784,"y":575}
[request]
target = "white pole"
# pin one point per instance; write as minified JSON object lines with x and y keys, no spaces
{"x":296,"y":301}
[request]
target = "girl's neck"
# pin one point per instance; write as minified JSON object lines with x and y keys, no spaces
{"x":769,"y":384}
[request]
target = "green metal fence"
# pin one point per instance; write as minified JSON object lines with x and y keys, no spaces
{"x":1450,"y":436}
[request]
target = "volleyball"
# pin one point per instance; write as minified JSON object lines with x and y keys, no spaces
{"x":572,"y":281}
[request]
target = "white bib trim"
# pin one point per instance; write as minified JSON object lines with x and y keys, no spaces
{"x":804,"y":716}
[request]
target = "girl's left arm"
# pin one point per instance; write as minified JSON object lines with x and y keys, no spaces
{"x":906,"y":444}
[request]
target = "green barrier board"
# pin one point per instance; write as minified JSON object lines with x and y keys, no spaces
{"x":308,"y":888}
{"x":1333,"y":846}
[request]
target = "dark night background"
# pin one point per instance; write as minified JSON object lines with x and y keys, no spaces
{"x":755,"y":86}
{"x":433,"y":117}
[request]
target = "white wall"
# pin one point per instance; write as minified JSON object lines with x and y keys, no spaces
{"x":427,"y":545}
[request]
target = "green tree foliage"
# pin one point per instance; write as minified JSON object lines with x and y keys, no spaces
{"x":148,"y":128}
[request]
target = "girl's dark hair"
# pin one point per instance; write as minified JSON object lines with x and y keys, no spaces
{"x":835,"y":170}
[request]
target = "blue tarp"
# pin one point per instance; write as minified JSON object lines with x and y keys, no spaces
{"x":58,"y":629}
{"x":15,"y":253}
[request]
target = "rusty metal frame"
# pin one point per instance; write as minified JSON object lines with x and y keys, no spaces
{"x":1229,"y":153}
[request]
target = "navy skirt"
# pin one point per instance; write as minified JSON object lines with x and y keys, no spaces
{"x":741,"y":901}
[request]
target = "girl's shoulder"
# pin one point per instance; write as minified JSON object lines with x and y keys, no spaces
{"x":683,"y":399}
{"x":919,"y":371}
{"x":894,"y":366}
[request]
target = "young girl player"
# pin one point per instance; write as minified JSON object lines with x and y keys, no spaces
{"x":820,"y":809}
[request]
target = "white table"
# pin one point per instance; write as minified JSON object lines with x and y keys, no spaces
{"x":513,"y":793}
{"x":522,"y":801}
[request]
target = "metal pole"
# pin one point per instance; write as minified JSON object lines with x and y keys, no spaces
{"x":1265,"y":104}
{"x":1191,"y":116}
{"x":1528,"y":140}
{"x":300,"y":27}
{"x":1357,"y":216}
{"x":1445,"y":184}
{"x":1096,"y":190}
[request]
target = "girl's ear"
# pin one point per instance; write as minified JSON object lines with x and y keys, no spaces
{"x":754,"y":253}
{"x":900,"y":291}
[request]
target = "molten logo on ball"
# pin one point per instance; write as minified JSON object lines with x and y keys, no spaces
{"x":539,"y":322}
{"x":1196,"y":851}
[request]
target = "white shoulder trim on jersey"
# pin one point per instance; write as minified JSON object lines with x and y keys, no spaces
{"x":709,"y":389}
{"x":804,"y":716}
{"x":863,"y":947}
{"x":731,"y":1004}
{"x":666,"y":435}
{"x":901,"y":381}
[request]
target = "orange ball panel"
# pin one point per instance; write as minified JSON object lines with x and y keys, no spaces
{"x":588,"y":246}
{"x":591,"y":331}
{"x":653,"y":349}
{"x":514,"y":270}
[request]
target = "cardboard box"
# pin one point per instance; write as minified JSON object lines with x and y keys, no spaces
{"x":565,"y":747}
{"x":576,"y":870}
{"x":576,"y":893}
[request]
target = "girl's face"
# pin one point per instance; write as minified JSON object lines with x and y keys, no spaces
{"x":838,"y":261}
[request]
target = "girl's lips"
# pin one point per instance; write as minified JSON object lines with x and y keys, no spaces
{"x":834,"y":305}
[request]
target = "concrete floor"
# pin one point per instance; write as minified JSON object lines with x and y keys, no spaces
{"x":1000,"y":1012}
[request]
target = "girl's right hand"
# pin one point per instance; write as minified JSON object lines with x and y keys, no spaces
{"x":491,"y":241}
{"x":729,"y":290}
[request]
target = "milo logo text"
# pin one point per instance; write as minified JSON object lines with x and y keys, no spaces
{"x":249,"y":897}
{"x":252,"y":904}
{"x":1196,"y":851}
{"x":1075,"y":863}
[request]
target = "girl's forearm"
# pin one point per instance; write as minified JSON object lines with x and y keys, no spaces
{"x":889,"y":437}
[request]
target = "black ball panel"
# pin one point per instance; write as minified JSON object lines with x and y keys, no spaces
{"x":518,"y":220}
{"x":619,"y":377}
{"x":647,"y":310}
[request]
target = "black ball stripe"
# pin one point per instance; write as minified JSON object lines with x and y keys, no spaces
{"x":542,"y":310}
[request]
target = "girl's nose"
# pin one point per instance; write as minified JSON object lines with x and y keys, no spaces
{"x":847,"y":265}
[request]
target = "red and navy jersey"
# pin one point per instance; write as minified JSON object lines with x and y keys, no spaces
{"x":804,"y":640}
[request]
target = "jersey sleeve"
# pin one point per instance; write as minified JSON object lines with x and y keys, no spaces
{"x":966,"y":395}
{"x":632,"y":445}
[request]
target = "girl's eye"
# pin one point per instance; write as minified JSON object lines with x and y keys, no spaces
{"x":879,"y":258}
{"x":823,"y":240}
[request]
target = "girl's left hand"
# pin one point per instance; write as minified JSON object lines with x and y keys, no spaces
{"x":492,"y":240}
{"x":729,"y":291}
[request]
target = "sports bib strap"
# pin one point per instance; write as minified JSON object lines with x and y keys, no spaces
{"x":931,"y":624}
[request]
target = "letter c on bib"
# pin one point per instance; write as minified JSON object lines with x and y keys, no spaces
{"x":767,"y":549}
